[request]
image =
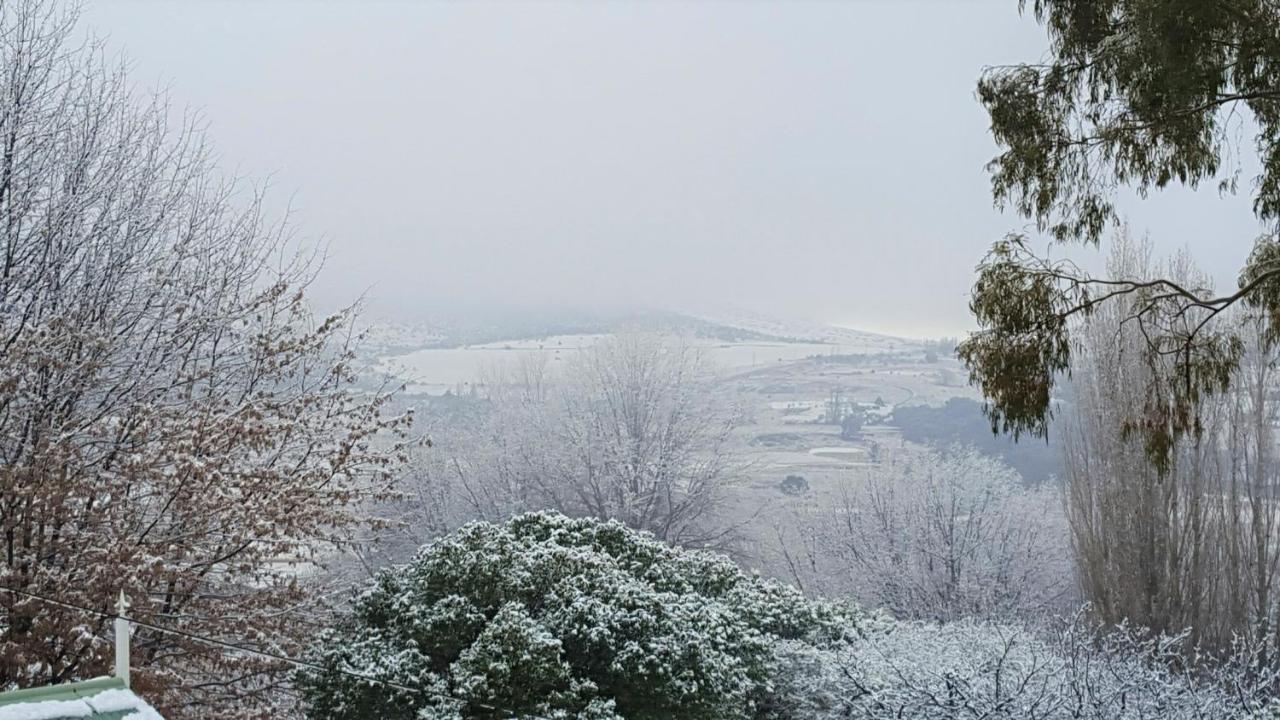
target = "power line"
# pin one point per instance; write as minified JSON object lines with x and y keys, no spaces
{"x":270,"y":655}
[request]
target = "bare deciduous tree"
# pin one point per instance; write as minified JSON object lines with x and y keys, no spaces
{"x":174,"y":424}
{"x":1197,"y":545}
{"x":937,"y":537}
{"x":631,"y":428}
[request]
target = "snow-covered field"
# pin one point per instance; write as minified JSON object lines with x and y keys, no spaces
{"x":785,"y":386}
{"x":838,"y":453}
{"x":435,"y":370}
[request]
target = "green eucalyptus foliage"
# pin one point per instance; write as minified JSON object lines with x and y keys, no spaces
{"x":1138,"y":94}
{"x":552,"y":617}
{"x":1024,"y":343}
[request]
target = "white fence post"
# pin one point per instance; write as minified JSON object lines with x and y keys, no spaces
{"x":122,"y":640}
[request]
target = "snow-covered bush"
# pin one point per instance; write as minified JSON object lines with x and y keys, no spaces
{"x":968,"y":669}
{"x":558,"y":617}
{"x":551,"y":617}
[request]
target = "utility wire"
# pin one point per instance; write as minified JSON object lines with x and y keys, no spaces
{"x":270,"y":655}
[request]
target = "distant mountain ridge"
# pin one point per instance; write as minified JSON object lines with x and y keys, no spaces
{"x":792,"y":330}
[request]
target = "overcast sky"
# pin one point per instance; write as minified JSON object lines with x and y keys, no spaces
{"x":821,"y":160}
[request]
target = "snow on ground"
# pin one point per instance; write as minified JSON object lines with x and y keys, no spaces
{"x":838,"y":453}
{"x":803,"y":330}
{"x":435,"y":370}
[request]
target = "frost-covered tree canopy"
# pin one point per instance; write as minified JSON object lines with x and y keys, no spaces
{"x":557,"y":617}
{"x":939,"y":536}
{"x":632,"y":428}
{"x":1072,"y":670}
{"x":175,"y":422}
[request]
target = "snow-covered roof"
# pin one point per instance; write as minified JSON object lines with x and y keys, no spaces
{"x":103,"y":698}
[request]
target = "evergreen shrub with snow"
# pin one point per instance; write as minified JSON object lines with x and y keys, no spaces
{"x":565,"y":618}
{"x":550,"y":618}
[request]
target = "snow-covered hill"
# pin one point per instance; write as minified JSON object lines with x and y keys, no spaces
{"x":800,"y":330}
